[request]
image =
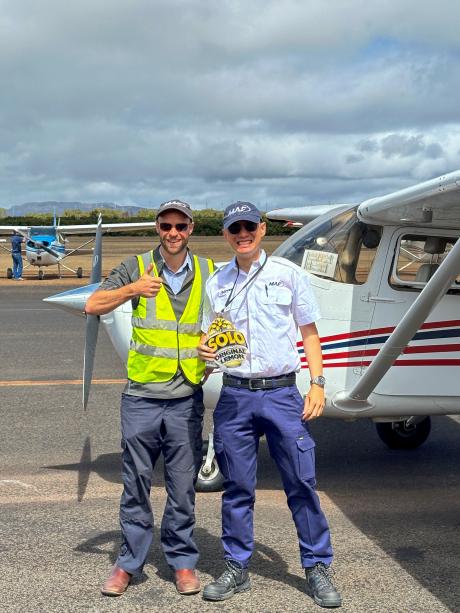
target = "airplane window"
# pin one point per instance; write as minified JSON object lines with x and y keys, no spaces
{"x":43,"y":231}
{"x":335,"y":246}
{"x":418,"y":258}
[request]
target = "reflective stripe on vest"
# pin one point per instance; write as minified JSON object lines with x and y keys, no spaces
{"x":160,"y":343}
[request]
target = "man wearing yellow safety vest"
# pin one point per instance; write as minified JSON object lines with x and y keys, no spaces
{"x":162,"y":404}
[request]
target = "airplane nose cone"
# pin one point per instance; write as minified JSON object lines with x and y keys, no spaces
{"x":73,"y":300}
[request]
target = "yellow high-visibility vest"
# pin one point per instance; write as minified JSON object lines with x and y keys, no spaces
{"x":160,"y":344}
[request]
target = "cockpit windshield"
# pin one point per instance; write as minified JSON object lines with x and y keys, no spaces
{"x":336,"y":246}
{"x":43,"y":231}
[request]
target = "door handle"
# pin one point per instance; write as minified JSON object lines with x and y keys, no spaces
{"x":381,"y":299}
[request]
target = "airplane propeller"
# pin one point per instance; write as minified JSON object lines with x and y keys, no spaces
{"x":40,"y":245}
{"x":92,"y":321}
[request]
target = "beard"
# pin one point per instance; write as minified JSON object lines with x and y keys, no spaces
{"x":176,"y":248}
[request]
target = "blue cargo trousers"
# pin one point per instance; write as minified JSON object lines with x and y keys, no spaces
{"x":17,"y":265}
{"x":241,"y":417}
{"x":149,"y":427}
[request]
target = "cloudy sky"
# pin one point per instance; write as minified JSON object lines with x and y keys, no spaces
{"x":283,"y":102}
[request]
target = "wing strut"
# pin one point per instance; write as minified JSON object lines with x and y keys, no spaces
{"x":357,"y":399}
{"x":92,"y":321}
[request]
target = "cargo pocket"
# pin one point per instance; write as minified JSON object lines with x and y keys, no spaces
{"x":221,"y":457}
{"x":306,"y":453}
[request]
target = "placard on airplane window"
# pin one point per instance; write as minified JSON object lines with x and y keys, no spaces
{"x":320,"y":262}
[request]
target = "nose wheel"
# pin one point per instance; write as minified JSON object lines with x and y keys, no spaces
{"x":41,"y":274}
{"x":210,"y":479}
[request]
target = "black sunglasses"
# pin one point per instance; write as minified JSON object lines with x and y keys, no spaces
{"x":249,"y":226}
{"x":167,"y":227}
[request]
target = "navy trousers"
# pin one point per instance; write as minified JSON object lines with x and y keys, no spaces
{"x":174,"y":428}
{"x":17,"y":265}
{"x":241,"y":417}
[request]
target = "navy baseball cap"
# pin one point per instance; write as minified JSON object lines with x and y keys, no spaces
{"x":175,"y":205}
{"x":241,"y":211}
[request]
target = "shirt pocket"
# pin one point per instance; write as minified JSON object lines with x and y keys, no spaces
{"x":276,"y":301}
{"x":234,"y":312}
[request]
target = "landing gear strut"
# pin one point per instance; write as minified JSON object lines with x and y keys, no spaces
{"x":407,"y":434}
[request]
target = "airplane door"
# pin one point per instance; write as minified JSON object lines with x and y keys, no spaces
{"x":428,"y":366}
{"x":341,"y":255}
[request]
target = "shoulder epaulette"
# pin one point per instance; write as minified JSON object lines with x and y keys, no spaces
{"x":217,"y":269}
{"x":284,"y":262}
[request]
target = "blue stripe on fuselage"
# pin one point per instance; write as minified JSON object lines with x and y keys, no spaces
{"x":376,"y":340}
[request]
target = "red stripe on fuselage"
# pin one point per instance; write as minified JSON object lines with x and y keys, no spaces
{"x":387,"y":330}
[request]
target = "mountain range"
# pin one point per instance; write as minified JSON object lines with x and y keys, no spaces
{"x":51,"y":206}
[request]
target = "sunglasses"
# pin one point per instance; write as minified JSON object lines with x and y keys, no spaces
{"x":249,"y":226}
{"x":167,"y":227}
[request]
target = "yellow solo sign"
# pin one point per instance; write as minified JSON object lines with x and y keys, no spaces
{"x":228,"y":342}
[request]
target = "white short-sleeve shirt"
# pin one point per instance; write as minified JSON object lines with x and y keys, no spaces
{"x":268,"y":311}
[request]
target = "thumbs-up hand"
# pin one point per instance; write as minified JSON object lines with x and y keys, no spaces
{"x":147,"y":285}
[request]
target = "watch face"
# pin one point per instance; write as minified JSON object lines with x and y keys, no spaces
{"x":319,"y":381}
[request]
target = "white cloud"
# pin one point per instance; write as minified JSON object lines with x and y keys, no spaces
{"x":279,"y":102}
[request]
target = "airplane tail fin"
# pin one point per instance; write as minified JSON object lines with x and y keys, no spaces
{"x":92,"y":321}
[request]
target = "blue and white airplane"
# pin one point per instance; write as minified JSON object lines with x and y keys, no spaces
{"x":46,"y":245}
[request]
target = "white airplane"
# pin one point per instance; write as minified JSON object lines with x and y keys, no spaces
{"x":386,"y":274}
{"x":45,"y":245}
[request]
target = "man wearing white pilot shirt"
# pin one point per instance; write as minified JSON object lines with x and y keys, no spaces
{"x":268,"y":299}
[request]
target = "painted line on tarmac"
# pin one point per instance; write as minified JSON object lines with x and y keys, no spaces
{"x":59,"y":382}
{"x":20,"y":483}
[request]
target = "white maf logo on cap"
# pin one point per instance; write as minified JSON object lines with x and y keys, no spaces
{"x":239,"y":209}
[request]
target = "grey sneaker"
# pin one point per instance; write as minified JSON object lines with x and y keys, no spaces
{"x":234,"y":579}
{"x":320,"y":586}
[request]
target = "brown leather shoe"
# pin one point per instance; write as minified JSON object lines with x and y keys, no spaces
{"x":187,"y":581}
{"x":116,"y":583}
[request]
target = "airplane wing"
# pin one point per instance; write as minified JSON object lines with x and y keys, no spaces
{"x":302,"y":214}
{"x":106,"y":227}
{"x":435,"y":202}
{"x":9,"y":229}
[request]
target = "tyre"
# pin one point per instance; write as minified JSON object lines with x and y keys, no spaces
{"x":9,"y":273}
{"x":41,"y":274}
{"x":400,"y":435}
{"x":214,"y":480}
{"x":79,"y":272}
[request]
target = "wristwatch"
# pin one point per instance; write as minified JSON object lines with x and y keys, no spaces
{"x":320,"y":380}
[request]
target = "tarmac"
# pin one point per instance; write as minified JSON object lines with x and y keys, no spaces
{"x":394,"y":516}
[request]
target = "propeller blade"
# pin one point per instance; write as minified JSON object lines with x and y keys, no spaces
{"x":96,"y":271}
{"x":92,"y":329}
{"x":92,"y":321}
